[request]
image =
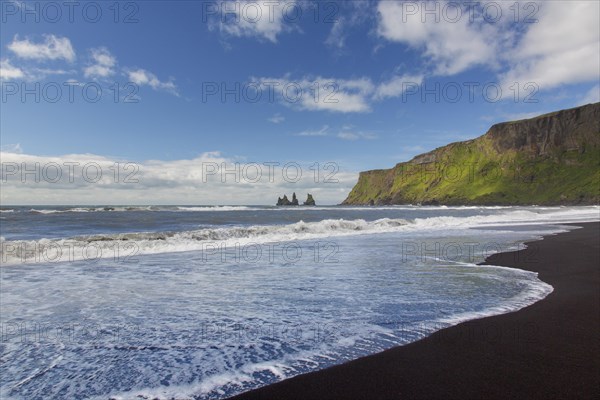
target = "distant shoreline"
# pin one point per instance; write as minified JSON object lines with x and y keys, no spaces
{"x":550,"y":349}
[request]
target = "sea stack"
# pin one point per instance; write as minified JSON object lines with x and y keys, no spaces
{"x":283,"y":202}
{"x":310,"y":201}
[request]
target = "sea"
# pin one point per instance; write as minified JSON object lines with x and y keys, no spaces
{"x":191,"y":302}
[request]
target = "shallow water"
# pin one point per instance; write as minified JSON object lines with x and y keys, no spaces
{"x":212,"y":302}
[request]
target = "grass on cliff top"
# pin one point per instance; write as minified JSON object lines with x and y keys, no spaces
{"x":475,"y":173}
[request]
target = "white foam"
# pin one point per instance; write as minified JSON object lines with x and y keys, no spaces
{"x":93,"y":209}
{"x":215,"y":208}
{"x":218,"y":368}
{"x":130,"y":244}
{"x":536,"y":290}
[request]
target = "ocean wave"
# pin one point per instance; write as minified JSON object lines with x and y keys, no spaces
{"x":215,"y":208}
{"x":534,"y":291}
{"x":137,"y":208}
{"x":409,"y":207}
{"x":340,"y":344}
{"x":139,"y":243}
{"x":109,"y":245}
{"x":510,"y":218}
{"x":91,"y":209}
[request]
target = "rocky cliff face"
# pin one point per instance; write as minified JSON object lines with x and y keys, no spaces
{"x":550,"y":159}
{"x":560,"y":131}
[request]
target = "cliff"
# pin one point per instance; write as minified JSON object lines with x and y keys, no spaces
{"x":551,"y":159}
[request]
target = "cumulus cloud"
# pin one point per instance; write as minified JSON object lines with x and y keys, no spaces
{"x":51,"y":48}
{"x":141,"y":77}
{"x":322,"y":94}
{"x":8,"y":71}
{"x":206,"y":179}
{"x":396,"y":86}
{"x":561,"y":48}
{"x":103,"y":63}
{"x":334,"y":94}
{"x":451,"y":46}
{"x":551,"y":43}
{"x":251,"y":18}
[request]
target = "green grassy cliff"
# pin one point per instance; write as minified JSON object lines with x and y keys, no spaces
{"x":548,"y":160}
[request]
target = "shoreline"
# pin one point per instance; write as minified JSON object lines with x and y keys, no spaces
{"x":550,"y":349}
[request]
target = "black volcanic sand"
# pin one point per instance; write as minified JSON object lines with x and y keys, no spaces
{"x":548,"y":350}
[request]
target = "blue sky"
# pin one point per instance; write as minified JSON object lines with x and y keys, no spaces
{"x":374,"y":60}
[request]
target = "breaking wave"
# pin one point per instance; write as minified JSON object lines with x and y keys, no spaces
{"x":139,"y":243}
{"x":110,"y":245}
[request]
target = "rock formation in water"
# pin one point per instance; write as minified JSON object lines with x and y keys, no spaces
{"x":286,"y":202}
{"x":310,"y":201}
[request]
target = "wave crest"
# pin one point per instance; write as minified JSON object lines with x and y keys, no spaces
{"x":138,"y":243}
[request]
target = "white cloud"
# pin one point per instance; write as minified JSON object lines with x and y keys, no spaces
{"x":452,"y":47}
{"x":562,"y":48}
{"x":201,"y":180}
{"x":142,"y":77}
{"x":337,"y":35}
{"x":558,"y":46}
{"x":333,"y":94}
{"x":337,"y":95}
{"x":276,"y":119}
{"x":52,"y":48}
{"x":347,"y":135}
{"x":103,"y":64}
{"x":397,"y":85}
{"x":50,"y":71}
{"x":348,"y":15}
{"x":321,"y":132}
{"x":322,"y":94}
{"x":8,"y":71}
{"x":251,"y":18}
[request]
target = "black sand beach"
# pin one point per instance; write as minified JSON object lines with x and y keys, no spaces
{"x":549,"y":350}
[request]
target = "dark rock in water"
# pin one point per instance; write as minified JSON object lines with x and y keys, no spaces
{"x":310,"y":201}
{"x":294,"y":202}
{"x":284,"y":202}
{"x":109,"y":209}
